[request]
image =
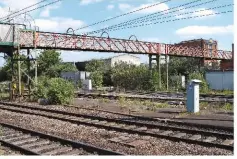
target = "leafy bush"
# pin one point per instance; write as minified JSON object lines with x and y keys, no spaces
{"x":56,"y":90}
{"x":96,"y":69}
{"x":133,"y":77}
{"x":42,"y":88}
{"x":204,"y":85}
{"x":96,"y":78}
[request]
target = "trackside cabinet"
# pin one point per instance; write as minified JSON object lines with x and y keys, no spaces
{"x":193,"y":96}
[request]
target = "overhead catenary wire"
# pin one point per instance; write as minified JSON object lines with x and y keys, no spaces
{"x":125,"y":14}
{"x":147,"y":16}
{"x":167,"y":10}
{"x":153,"y":13}
{"x":22,"y":9}
{"x":42,"y":6}
{"x":191,"y":12}
{"x":172,"y":20}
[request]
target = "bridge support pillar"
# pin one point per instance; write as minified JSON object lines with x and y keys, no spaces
{"x":157,"y":59}
{"x":150,"y":62}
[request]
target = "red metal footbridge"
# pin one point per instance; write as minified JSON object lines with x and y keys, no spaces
{"x":30,"y":39}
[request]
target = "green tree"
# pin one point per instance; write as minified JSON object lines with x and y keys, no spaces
{"x":182,"y":65}
{"x":132,"y":77}
{"x":96,"y":69}
{"x":47,"y":62}
{"x":204,"y":85}
{"x":6,"y":70}
{"x":50,"y":64}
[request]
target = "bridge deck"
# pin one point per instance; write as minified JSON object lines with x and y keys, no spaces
{"x":29,"y":39}
{"x":47,"y":40}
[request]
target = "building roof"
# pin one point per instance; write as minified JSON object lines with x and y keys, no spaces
{"x":82,"y":64}
{"x":193,"y":40}
{"x":121,"y":55}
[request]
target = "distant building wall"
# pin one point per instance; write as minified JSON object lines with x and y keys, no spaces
{"x":219,"y":80}
{"x":75,"y":76}
{"x":125,"y":58}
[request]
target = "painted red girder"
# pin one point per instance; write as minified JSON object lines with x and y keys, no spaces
{"x":47,"y":40}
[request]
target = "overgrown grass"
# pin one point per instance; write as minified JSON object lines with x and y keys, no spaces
{"x":223,"y":92}
{"x":4,"y":96}
{"x":104,"y":100}
{"x":183,"y":114}
{"x":141,"y":104}
{"x":228,"y":107}
{"x":216,"y":106}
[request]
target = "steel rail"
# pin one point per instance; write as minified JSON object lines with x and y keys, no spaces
{"x":74,"y":144}
{"x":116,"y":128}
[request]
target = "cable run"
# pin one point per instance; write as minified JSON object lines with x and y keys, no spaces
{"x":197,"y":11}
{"x":143,"y":17}
{"x":191,"y":17}
{"x":122,"y":15}
{"x":23,"y":9}
{"x":35,"y":8}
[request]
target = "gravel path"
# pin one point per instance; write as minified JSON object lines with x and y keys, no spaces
{"x":6,"y":151}
{"x":100,"y":137}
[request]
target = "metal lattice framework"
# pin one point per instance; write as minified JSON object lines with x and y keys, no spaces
{"x":48,"y":40}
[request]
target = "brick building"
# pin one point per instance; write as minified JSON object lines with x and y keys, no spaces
{"x":228,"y":64}
{"x":210,"y":47}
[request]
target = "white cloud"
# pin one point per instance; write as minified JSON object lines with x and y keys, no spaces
{"x":3,"y":12}
{"x":59,"y":24}
{"x":205,"y":30}
{"x":46,"y":11}
{"x":201,"y":12}
{"x":9,"y":6}
{"x":110,"y":7}
{"x":156,"y":8}
{"x":151,"y":39}
{"x":18,"y":4}
{"x":124,"y":7}
{"x":86,"y":2}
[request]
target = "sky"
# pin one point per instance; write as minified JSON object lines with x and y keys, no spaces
{"x":79,"y":13}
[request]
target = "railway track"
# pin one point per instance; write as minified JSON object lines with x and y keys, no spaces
{"x":31,"y":142}
{"x":158,"y":120}
{"x":180,"y":94}
{"x":205,"y":137}
{"x":179,"y":97}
